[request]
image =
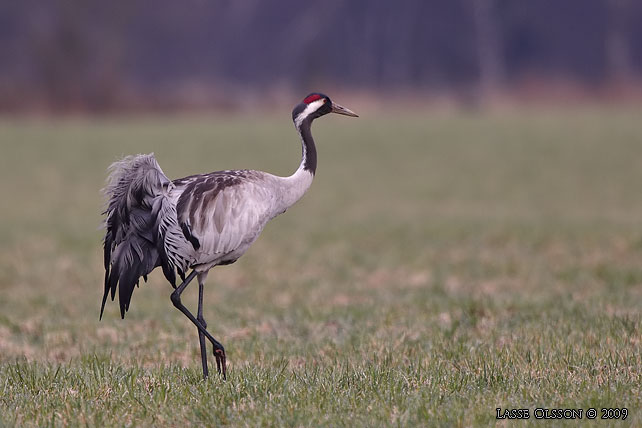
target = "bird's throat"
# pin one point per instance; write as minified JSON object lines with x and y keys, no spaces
{"x":309,"y":150}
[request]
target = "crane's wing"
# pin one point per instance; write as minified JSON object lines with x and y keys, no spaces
{"x":140,"y":220}
{"x":222,"y":213}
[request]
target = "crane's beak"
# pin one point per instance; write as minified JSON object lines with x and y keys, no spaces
{"x":336,"y":108}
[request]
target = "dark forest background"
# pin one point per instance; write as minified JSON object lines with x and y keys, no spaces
{"x":97,"y":55}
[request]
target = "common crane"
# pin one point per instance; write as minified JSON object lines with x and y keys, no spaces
{"x":196,"y":222}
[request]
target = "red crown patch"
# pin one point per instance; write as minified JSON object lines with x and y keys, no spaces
{"x":311,"y":98}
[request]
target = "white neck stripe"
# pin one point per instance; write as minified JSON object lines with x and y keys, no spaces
{"x":310,"y":108}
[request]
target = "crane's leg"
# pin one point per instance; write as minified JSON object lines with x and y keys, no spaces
{"x":201,"y":336}
{"x":219,"y":351}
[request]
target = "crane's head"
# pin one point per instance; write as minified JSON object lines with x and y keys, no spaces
{"x":316,"y":105}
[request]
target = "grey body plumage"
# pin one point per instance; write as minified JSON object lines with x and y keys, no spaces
{"x":195,"y":222}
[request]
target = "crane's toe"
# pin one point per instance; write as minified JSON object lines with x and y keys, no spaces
{"x":221,"y":366}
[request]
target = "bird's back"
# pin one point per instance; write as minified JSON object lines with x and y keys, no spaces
{"x":221,"y":213}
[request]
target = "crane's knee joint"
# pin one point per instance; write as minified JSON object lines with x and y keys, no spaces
{"x":176,"y":299}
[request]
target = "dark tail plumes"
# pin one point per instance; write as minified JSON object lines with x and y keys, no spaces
{"x":136,"y":191}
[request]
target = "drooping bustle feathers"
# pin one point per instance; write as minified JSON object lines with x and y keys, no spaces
{"x":139,"y":214}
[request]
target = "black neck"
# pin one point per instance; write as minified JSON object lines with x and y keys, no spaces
{"x":309,"y":149}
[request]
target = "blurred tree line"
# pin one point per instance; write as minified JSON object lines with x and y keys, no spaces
{"x":101,"y":55}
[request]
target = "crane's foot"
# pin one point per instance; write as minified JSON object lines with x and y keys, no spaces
{"x":221,"y":366}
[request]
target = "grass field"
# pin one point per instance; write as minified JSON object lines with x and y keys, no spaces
{"x":441,"y":266}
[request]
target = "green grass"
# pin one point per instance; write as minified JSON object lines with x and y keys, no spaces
{"x":442,"y":265}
